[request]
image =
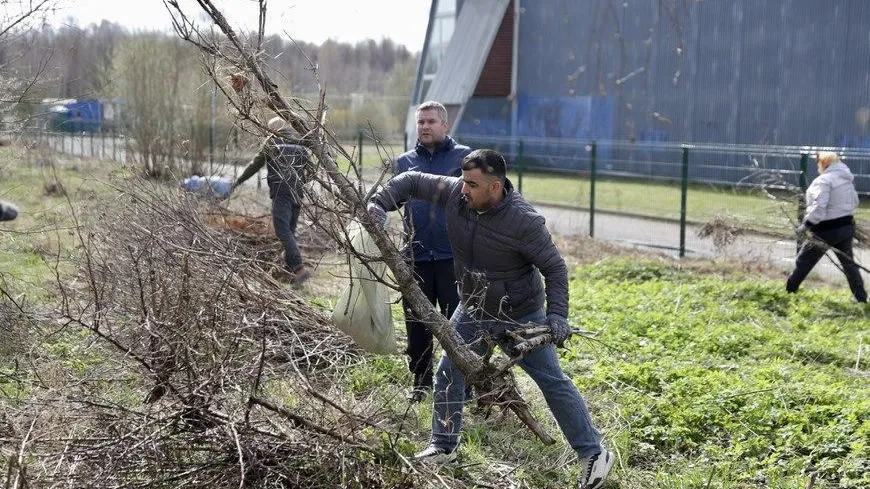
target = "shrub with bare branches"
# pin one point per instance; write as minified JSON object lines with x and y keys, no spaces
{"x":212,"y":372}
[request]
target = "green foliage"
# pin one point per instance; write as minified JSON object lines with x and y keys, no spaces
{"x":377,"y":373}
{"x":628,"y":271}
{"x":733,"y":378}
{"x":698,"y":381}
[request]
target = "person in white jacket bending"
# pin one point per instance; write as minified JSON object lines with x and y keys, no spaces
{"x":831,"y":201}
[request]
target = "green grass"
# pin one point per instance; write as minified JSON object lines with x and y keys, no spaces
{"x":697,"y":379}
{"x":752,"y":209}
{"x":372,"y":156}
{"x":42,"y":237}
{"x":723,"y":378}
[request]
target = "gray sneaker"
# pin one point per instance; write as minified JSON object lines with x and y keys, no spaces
{"x":435,"y":455}
{"x":594,"y":470}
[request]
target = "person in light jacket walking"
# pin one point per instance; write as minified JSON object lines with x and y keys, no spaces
{"x":831,"y":201}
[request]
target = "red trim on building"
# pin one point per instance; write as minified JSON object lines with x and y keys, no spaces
{"x":495,"y":79}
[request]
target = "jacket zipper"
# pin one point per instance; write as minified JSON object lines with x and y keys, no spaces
{"x":474,"y":219}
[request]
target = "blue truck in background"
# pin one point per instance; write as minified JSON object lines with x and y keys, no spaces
{"x":80,"y":115}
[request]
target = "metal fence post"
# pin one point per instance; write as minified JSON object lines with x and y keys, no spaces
{"x":684,"y":191}
{"x":520,"y":167}
{"x":593,"y":175}
{"x":359,"y":149}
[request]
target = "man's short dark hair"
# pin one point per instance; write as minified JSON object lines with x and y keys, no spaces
{"x":489,"y":161}
{"x":432,"y":105}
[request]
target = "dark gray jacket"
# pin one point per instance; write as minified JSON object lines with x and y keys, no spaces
{"x":497,"y":254}
{"x":287,"y":166}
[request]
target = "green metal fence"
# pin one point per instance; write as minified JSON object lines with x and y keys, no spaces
{"x":654,"y":194}
{"x":666,"y":194}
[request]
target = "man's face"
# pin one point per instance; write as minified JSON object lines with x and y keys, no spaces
{"x":430,"y":128}
{"x":478,"y":189}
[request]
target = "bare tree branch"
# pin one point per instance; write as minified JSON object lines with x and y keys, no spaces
{"x":352,"y":202}
{"x":32,"y":9}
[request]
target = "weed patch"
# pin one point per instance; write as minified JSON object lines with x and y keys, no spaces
{"x":758,"y":386}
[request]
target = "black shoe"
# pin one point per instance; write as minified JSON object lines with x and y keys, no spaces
{"x":418,"y":393}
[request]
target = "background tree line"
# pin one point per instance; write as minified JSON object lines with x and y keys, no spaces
{"x":81,"y":60}
{"x":164,"y":96}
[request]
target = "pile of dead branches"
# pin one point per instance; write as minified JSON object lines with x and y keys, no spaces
{"x":721,"y":231}
{"x":203,"y":371}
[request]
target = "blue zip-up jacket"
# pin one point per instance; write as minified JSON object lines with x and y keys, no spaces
{"x":424,"y":221}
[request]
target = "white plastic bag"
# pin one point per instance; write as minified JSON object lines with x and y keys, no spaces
{"x":363,"y":309}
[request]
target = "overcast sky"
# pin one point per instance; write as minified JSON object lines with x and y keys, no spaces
{"x":404,"y":21}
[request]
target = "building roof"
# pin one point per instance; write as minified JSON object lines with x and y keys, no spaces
{"x":466,"y":54}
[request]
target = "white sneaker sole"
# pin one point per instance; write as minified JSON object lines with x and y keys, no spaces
{"x":440,"y":459}
{"x":608,"y":464}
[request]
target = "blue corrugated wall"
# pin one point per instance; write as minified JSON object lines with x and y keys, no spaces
{"x":785,"y":72}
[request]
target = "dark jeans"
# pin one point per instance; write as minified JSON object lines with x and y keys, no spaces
{"x":285,"y":216}
{"x":438,"y":282}
{"x":811,"y":252}
{"x":542,"y":365}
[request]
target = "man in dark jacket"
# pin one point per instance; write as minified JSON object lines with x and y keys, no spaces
{"x":501,"y":247}
{"x":287,"y":164}
{"x":428,"y":247}
{"x":8,"y":211}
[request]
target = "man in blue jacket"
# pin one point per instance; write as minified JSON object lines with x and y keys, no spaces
{"x":428,"y":246}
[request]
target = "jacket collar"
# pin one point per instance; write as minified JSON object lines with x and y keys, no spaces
{"x":444,"y":146}
{"x":284,"y":137}
{"x":509,"y":195}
